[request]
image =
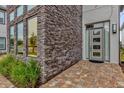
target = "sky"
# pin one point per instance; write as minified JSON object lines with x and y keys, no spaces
{"x":121,"y":17}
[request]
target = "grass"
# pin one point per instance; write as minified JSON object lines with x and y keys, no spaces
{"x":122,"y":54}
{"x":20,"y":73}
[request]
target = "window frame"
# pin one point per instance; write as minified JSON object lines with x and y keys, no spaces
{"x":3,"y":18}
{"x":5,"y":43}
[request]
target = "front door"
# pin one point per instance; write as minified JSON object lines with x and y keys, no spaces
{"x":96,"y":44}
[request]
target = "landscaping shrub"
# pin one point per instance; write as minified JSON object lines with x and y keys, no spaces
{"x":33,"y":71}
{"x":20,"y":73}
{"x":5,"y":64}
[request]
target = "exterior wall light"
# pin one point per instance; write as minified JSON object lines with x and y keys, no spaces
{"x":114,"y":28}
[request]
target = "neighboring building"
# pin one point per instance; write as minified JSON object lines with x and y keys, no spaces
{"x":3,"y":30}
{"x":101,"y":33}
{"x":122,"y":35}
{"x":60,"y":36}
{"x":50,"y":34}
{"x":122,"y":26}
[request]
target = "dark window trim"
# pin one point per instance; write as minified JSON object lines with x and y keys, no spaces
{"x":5,"y":43}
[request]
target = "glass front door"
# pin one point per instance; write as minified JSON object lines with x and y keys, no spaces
{"x":96,"y":44}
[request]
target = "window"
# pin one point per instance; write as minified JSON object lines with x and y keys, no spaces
{"x":96,"y":46}
{"x":32,"y":37}
{"x":107,"y":40}
{"x":12,"y":39}
{"x":4,"y":6}
{"x":96,"y":39}
{"x":29,"y":7}
{"x":2,"y":43}
{"x":11,"y":16}
{"x":20,"y":38}
{"x":2,"y":17}
{"x":97,"y":54}
{"x":96,"y":32}
{"x":20,"y":10}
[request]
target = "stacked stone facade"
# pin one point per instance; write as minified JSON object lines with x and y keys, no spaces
{"x":59,"y":36}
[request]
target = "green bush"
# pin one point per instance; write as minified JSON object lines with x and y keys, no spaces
{"x":33,"y":72}
{"x":5,"y":64}
{"x":20,"y":73}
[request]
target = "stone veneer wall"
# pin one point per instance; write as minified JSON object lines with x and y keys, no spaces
{"x":63,"y":38}
{"x":59,"y":36}
{"x":38,"y":12}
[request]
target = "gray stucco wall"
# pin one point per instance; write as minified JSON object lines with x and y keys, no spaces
{"x":93,"y":14}
{"x":62,"y":39}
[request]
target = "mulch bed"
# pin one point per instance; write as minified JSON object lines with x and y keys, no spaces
{"x":122,"y":66}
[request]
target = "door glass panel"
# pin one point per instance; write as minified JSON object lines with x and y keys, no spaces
{"x":96,"y":54}
{"x":96,"y":39}
{"x":96,"y":32}
{"x":96,"y":46}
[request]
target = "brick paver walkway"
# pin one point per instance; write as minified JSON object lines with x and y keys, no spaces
{"x":5,"y":83}
{"x":87,"y":74}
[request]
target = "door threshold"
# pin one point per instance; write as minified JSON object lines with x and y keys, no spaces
{"x":96,"y":61}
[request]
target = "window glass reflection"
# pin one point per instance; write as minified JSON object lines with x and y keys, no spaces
{"x":20,"y":10}
{"x":20,"y":38}
{"x":12,"y":39}
{"x":32,"y":37}
{"x":11,"y":16}
{"x":29,"y":7}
